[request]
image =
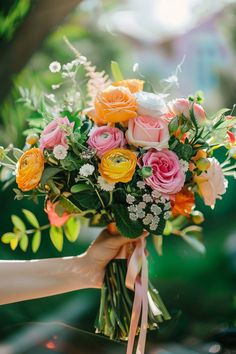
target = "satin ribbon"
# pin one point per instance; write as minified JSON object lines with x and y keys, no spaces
{"x":137,"y":282}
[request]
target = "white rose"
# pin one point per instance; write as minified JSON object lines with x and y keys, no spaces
{"x":151,"y":104}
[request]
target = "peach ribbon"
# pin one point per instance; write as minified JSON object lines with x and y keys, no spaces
{"x":137,"y":282}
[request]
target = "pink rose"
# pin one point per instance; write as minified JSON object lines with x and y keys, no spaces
{"x":212,"y":183}
{"x":167,"y":176}
{"x":183,"y":106}
{"x":106,"y":138}
{"x":148,"y":132}
{"x":55,"y":133}
{"x":53,"y":217}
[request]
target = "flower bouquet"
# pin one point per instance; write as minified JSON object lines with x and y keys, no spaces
{"x":125,"y":159}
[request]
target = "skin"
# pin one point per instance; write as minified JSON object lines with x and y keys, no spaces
{"x":25,"y":280}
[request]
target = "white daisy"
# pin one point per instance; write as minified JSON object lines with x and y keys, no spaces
{"x":86,"y":170}
{"x":60,"y":152}
{"x":104,"y":185}
{"x":55,"y":67}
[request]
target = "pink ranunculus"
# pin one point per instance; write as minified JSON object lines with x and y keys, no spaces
{"x":167,"y":176}
{"x":183,"y":106}
{"x":212,"y":183}
{"x":106,"y":138}
{"x":55,"y":133}
{"x":148,"y":132}
{"x":53,"y":217}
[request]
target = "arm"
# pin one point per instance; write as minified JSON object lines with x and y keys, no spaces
{"x":24,"y":280}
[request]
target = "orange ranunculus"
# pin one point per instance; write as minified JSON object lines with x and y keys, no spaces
{"x":29,"y":169}
{"x":134,"y":85}
{"x":183,"y":203}
{"x":115,"y":105}
{"x":118,"y":165}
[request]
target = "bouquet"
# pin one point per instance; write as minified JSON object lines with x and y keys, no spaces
{"x":123,"y":158}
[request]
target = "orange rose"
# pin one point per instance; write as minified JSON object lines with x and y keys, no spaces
{"x":29,"y":169}
{"x":134,"y":85}
{"x":115,"y":105}
{"x":183,"y":203}
{"x":118,"y":165}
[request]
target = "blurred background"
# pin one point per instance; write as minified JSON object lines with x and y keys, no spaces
{"x":198,"y":290}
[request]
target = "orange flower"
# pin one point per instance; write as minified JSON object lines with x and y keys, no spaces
{"x":115,"y":105}
{"x":118,"y":165}
{"x":183,"y":203}
{"x":134,"y":85}
{"x":54,"y":218}
{"x":29,"y":169}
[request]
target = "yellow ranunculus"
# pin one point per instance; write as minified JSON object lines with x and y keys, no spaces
{"x":115,"y":105}
{"x":134,"y":85}
{"x":118,"y":165}
{"x":29,"y":169}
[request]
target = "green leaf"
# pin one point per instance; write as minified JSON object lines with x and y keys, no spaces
{"x":127,"y":227}
{"x":7,"y":237}
{"x":70,"y":207}
{"x":195,"y":243}
{"x":48,"y":173}
{"x":173,"y":125}
{"x":72,"y":229}
{"x":24,"y":241}
{"x":31,"y":218}
{"x":56,"y":236}
{"x":36,"y":241}
{"x":14,"y":243}
{"x":79,"y":188}
{"x":219,"y":113}
{"x":116,"y":72}
{"x":18,"y":223}
{"x":88,"y":199}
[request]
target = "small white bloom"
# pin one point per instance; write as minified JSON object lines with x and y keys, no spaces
{"x":51,"y":97}
{"x":55,"y":67}
{"x":141,"y":214}
{"x":184,"y":165}
{"x":55,"y":87}
{"x":68,"y":66}
{"x":130,"y":199}
{"x":156,"y":209}
{"x":132,"y":208}
{"x":60,"y":152}
{"x":86,"y":170}
{"x":151,"y":104}
{"x":82,"y":59}
{"x":153,"y":226}
{"x":167,"y":215}
{"x":77,"y":95}
{"x":156,"y":194}
{"x":146,"y":221}
{"x":141,"y":206}
{"x":156,"y":220}
{"x":133,"y":217}
{"x":141,"y":185}
{"x":104,"y":185}
{"x":147,"y":198}
{"x":135,"y":67}
{"x":167,"y":206}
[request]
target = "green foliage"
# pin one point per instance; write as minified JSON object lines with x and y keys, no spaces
{"x":56,"y":236}
{"x":36,"y":241}
{"x":48,"y":173}
{"x":127,"y":227}
{"x":116,"y":72}
{"x":72,"y":229}
{"x":183,"y":151}
{"x":31,"y":218}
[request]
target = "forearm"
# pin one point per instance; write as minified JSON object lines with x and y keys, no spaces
{"x":24,"y":280}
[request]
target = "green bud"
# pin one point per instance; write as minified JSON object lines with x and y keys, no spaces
{"x":173,"y":125}
{"x":203,"y":164}
{"x":197,"y":217}
{"x":146,"y":171}
{"x":2,"y":153}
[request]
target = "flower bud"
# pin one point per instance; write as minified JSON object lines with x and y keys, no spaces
{"x":146,"y":171}
{"x":32,"y":139}
{"x":203,"y":164}
{"x":197,"y":217}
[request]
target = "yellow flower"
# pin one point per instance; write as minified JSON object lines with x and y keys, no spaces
{"x":118,"y":165}
{"x":29,"y":169}
{"x":115,"y":105}
{"x":134,"y":85}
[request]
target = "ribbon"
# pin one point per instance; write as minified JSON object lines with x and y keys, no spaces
{"x":139,"y":284}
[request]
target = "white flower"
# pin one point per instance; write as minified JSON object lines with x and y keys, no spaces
{"x":184,"y":165}
{"x":68,"y":66}
{"x":148,"y":219}
{"x":60,"y":152}
{"x":141,"y":214}
{"x":56,"y":86}
{"x":167,"y":206}
{"x":132,"y":208}
{"x":153,"y":226}
{"x":133,"y":217}
{"x":51,"y":97}
{"x":147,"y":198}
{"x":86,"y":170}
{"x":130,"y":199}
{"x":55,"y":67}
{"x":167,"y":215}
{"x":156,"y":209}
{"x":82,"y":59}
{"x":141,"y":184}
{"x":151,"y":104}
{"x":104,"y":185}
{"x":141,"y":206}
{"x":156,"y":220}
{"x":156,"y":194}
